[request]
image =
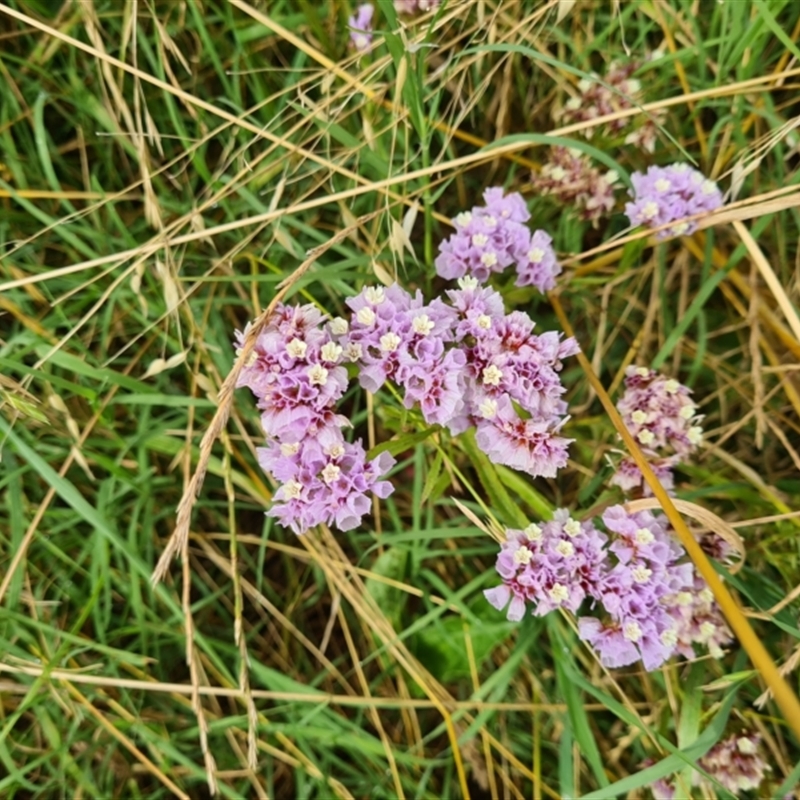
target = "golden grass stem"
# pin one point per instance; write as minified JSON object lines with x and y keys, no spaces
{"x":784,"y":696}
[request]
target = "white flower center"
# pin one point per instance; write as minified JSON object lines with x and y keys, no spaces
{"x":375,"y":295}
{"x":644,"y":536}
{"x":422,"y":324}
{"x":533,"y":532}
{"x":639,"y":416}
{"x":706,"y":596}
{"x":330,"y":473}
{"x":331,"y":352}
{"x":489,"y":221}
{"x":297,"y":348}
{"x":535,"y":254}
{"x":686,"y":412}
{"x":707,"y":629}
{"x":680,"y":228}
{"x":565,"y":549}
{"x":646,"y":437}
{"x":365,"y":315}
{"x":671,"y":386}
{"x":746,"y":746}
{"x":522,"y":556}
{"x":558,"y":173}
{"x":708,"y":187}
{"x":339,"y":326}
{"x":318,"y":375}
{"x":292,"y":489}
{"x":663,"y":185}
{"x":488,"y":408}
{"x":463,"y":219}
{"x":353,"y":351}
{"x":641,"y":574}
{"x":484,"y":322}
{"x":631,"y":631}
{"x":572,"y":527}
{"x":492,"y":375}
{"x":488,"y":259}
{"x":559,"y":593}
{"x":695,"y":434}
{"x":669,"y":638}
{"x":335,"y":450}
{"x":683,"y":599}
{"x":390,"y":342}
{"x":649,"y":210}
{"x":288,"y":450}
{"x":480,"y":239}
{"x":467,"y":282}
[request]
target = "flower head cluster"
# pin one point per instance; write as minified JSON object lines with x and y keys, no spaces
{"x":494,"y":236}
{"x":414,"y":6}
{"x":572,"y":180}
{"x":466,"y":363}
{"x":665,"y":194}
{"x":360,"y":25}
{"x":617,"y":91}
{"x":635,"y":592}
{"x":662,"y":417}
{"x":554,"y":565}
{"x":636,"y":576}
{"x":736,"y":762}
{"x":296,"y":373}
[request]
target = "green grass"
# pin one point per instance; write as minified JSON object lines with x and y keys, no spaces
{"x":150,"y":210}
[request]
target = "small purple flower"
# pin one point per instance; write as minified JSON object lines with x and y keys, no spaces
{"x":536,"y":263}
{"x":487,"y":239}
{"x":527,"y":445}
{"x":665,"y":194}
{"x":659,"y":413}
{"x":553,"y":565}
{"x":326,"y":481}
{"x":360,"y":25}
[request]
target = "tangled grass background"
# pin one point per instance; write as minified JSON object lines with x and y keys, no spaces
{"x":168,"y":170}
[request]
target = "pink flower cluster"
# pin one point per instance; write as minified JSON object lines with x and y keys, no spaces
{"x":662,"y":417}
{"x":296,"y":373}
{"x":636,"y":576}
{"x":666,"y":194}
{"x":618,"y":91}
{"x":467,"y":363}
{"x":736,"y":763}
{"x":494,"y":236}
{"x":571,"y":179}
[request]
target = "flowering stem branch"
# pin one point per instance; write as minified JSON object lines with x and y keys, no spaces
{"x":784,"y":696}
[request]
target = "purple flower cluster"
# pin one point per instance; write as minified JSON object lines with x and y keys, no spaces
{"x":662,"y":417}
{"x":360,"y":25}
{"x":640,"y":585}
{"x":618,"y":92}
{"x":736,"y":763}
{"x":572,"y":180}
{"x":494,"y":236}
{"x":296,"y":373}
{"x":466,"y":363}
{"x":665,"y":194}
